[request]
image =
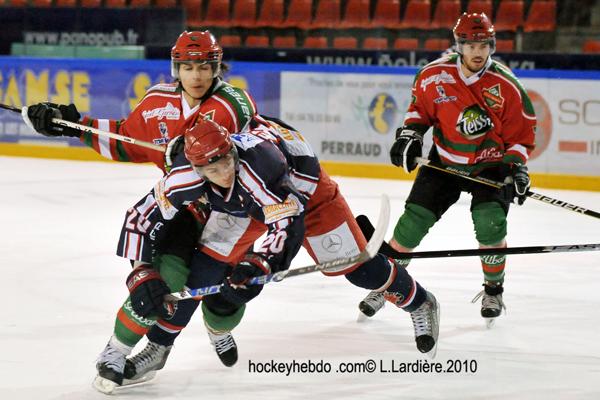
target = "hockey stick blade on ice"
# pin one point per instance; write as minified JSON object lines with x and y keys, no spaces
{"x":95,"y":131}
{"x":484,"y":181}
{"x":372,"y":248}
{"x":367,"y":228}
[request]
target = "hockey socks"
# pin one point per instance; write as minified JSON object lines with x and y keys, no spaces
{"x":383,"y":275}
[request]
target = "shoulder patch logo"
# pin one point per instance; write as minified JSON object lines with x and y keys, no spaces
{"x":493,"y":97}
{"x":473,"y":122}
{"x":442,"y":77}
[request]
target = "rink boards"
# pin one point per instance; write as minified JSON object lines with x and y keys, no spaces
{"x":349,"y":114}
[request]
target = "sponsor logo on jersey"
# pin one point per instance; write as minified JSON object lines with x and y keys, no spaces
{"x":443,"y":98}
{"x":489,"y":154}
{"x":155,"y":230}
{"x":275,"y":212}
{"x":442,"y":77}
{"x":473,"y":122}
{"x":332,"y":243}
{"x":169,"y":112}
{"x":493,"y":97}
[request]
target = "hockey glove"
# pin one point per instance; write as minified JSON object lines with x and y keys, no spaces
{"x":39,"y":118}
{"x":407,"y":147}
{"x":146,"y":291}
{"x":517,"y":185}
{"x":174,"y":148}
{"x":235,"y":289}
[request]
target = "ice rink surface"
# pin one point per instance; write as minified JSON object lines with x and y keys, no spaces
{"x":62,"y":286}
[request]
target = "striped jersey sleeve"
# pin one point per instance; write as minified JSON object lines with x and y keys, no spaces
{"x":238,"y":108}
{"x":143,"y":221}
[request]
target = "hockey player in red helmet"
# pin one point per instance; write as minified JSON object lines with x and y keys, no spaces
{"x":475,"y":40}
{"x":483,"y":124}
{"x":196,"y":62}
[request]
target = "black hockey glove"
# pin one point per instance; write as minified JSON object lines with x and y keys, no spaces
{"x":407,"y":147}
{"x":39,"y":117}
{"x":517,"y":185}
{"x":235,"y":289}
{"x":146,"y":291}
{"x":174,"y":148}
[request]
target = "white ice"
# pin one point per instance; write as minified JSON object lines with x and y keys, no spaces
{"x":62,"y":285}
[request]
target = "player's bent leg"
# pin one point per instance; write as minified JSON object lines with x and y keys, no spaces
{"x":489,"y":220}
{"x":382,"y":275}
{"x":411,"y":228}
{"x":220,"y":318}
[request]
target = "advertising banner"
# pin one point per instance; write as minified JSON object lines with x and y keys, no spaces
{"x":352,"y":117}
{"x":101,"y":89}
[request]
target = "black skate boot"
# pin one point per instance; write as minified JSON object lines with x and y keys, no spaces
{"x":225,"y":347}
{"x":491,"y":302}
{"x":371,"y":304}
{"x":110,"y":366}
{"x":143,"y":366}
{"x":426,"y":320}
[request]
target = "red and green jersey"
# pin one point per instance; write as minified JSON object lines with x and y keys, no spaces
{"x":163,"y":114}
{"x":477,"y":122}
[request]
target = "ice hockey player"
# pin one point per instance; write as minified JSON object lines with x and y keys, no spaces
{"x":271,"y":174}
{"x":483,"y":122}
{"x":161,"y":117}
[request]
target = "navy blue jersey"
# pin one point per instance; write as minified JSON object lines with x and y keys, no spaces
{"x":277,"y":172}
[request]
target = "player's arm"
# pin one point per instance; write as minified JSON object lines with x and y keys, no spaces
{"x":409,"y":137}
{"x":519,"y":141}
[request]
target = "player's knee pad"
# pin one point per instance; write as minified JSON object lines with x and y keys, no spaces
{"x":372,"y":274}
{"x":221,"y":317}
{"x":413,"y":225}
{"x":489,"y":221}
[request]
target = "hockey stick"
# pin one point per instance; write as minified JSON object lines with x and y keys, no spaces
{"x":95,"y":131}
{"x":367,"y":229}
{"x":369,"y":252}
{"x":536,"y":196}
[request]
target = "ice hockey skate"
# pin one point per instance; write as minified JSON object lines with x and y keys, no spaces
{"x":143,"y":366}
{"x":225,"y":347}
{"x":110,"y":366}
{"x":491,"y":303}
{"x":426,"y":324}
{"x":370,"y":305}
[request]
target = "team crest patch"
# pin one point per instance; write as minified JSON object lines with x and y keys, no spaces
{"x":164,"y":133}
{"x":443,"y":98}
{"x":493,"y":97}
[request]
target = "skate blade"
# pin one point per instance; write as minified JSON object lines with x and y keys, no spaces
{"x":490,"y":322}
{"x":104,"y":385}
{"x":147,"y":377}
{"x":362,"y":317}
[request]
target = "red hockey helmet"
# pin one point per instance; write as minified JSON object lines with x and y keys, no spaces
{"x":474,"y":27}
{"x":196,"y":46}
{"x":206,"y":142}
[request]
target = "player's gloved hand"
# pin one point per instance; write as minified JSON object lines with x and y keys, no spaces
{"x":174,"y":148}
{"x":407,"y":147}
{"x":235,"y":289}
{"x":147,"y":290}
{"x":517,"y":185}
{"x":39,"y":118}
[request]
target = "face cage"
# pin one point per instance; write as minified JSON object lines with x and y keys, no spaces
{"x":215,"y":65}
{"x":461,"y":42}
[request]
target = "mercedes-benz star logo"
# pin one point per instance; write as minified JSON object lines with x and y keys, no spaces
{"x":332,"y":243}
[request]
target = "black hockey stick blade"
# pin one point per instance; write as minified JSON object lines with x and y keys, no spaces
{"x":367,"y":229}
